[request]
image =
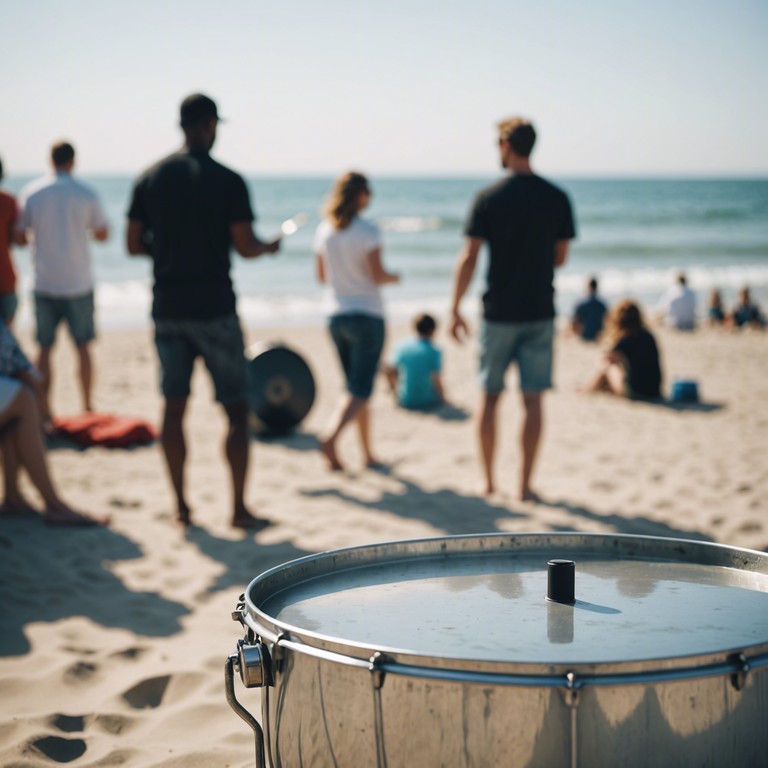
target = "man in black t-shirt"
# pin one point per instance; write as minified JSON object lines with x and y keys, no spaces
{"x":528,"y":224}
{"x":186,"y":213}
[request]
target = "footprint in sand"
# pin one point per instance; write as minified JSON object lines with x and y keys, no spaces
{"x":129,"y":653}
{"x":148,"y":693}
{"x":124,"y":503}
{"x":750,"y":526}
{"x":59,"y":749}
{"x":67,"y":723}
{"x":80,"y":673}
{"x":114,"y":724}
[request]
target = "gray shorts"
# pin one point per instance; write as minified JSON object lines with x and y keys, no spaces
{"x":528,"y":344}
{"x":77,"y":311}
{"x":9,"y":303}
{"x":219,"y":342}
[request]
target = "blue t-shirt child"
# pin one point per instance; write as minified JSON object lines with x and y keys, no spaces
{"x":416,"y":361}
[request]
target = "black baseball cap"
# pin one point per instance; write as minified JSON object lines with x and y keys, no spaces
{"x":197,"y":107}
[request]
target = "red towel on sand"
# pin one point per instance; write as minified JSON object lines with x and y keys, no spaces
{"x":104,"y":429}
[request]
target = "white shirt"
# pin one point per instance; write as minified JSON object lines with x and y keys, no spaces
{"x":345,"y":257}
{"x":679,"y":306}
{"x":61,"y":212}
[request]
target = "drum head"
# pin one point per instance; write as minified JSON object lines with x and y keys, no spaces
{"x":281,"y":388}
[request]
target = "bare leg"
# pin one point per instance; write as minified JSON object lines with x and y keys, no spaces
{"x":487,"y":435}
{"x":44,"y":366}
{"x":13,"y":502}
{"x":22,"y":420}
{"x":237,"y":448}
{"x":530,"y":438}
{"x":363,"y":419}
{"x":610,"y":379}
{"x":86,"y":375}
{"x":175,"y":450}
{"x":348,"y":409}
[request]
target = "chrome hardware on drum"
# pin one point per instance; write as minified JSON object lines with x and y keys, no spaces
{"x":509,"y":650}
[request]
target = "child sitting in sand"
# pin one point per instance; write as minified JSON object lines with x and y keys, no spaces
{"x":413,"y":371}
{"x":631,"y":366}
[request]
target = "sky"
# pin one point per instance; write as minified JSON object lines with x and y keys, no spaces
{"x":614,"y":88}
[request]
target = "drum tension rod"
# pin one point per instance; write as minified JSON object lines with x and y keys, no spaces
{"x":739,"y":678}
{"x":374,"y":667}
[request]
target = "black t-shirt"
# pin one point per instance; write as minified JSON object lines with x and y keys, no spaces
{"x":641,"y":356}
{"x":187,"y":203}
{"x":521,"y":218}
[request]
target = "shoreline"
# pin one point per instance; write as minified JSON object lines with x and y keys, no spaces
{"x":113,"y":641}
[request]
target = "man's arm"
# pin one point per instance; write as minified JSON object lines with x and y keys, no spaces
{"x":561,"y":252}
{"x":247,"y":244}
{"x":134,"y":238}
{"x":465,"y":268}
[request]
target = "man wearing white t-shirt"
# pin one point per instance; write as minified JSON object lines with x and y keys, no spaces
{"x":62,"y":214}
{"x":678,"y":306}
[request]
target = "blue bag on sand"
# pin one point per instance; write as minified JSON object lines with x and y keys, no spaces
{"x":685,"y":391}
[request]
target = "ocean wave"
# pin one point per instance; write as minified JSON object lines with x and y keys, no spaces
{"x":410,"y":223}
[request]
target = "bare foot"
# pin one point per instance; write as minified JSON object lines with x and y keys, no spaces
{"x":63,"y":515}
{"x":371,"y":462}
{"x":184,"y":515}
{"x":529,"y":495}
{"x":488,"y":489}
{"x":244,"y":519}
{"x":329,"y":451}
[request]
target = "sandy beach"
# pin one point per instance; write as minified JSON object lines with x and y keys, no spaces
{"x":113,"y":641}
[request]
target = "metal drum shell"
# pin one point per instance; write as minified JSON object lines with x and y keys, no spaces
{"x":326,"y":708}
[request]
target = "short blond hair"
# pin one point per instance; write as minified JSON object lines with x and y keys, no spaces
{"x":520,"y":134}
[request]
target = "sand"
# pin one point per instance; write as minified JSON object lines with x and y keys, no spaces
{"x":113,"y":641}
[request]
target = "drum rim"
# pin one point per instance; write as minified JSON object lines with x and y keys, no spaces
{"x":270,"y":629}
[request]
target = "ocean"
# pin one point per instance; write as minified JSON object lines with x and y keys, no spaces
{"x":633,"y":235}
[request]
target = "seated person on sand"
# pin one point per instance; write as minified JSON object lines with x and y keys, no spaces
{"x":588,"y":317}
{"x":677,"y":307}
{"x":746,"y":313}
{"x":715,"y":310}
{"x":21,"y":439}
{"x":413,"y":371}
{"x":631,"y":366}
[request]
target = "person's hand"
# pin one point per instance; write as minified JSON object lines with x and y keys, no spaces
{"x":458,"y":327}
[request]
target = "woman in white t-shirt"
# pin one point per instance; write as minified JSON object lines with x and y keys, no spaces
{"x":348,"y":259}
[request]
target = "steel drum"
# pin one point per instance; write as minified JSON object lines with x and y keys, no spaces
{"x":281,"y":388}
{"x":510,"y":650}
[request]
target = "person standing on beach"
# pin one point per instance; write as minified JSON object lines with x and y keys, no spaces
{"x":186,"y":212}
{"x":8,"y":214}
{"x":61,"y":213}
{"x":528,"y":224}
{"x":348,"y":259}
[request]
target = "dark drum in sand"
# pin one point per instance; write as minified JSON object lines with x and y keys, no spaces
{"x":509,"y":650}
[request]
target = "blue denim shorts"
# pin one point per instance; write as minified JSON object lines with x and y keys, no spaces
{"x":528,"y":344}
{"x":77,"y":311}
{"x":9,"y":303}
{"x":359,"y":340}
{"x":219,"y":342}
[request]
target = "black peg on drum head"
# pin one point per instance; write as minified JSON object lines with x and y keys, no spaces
{"x":561,"y":577}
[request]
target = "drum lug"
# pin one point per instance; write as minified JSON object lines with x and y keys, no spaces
{"x":739,"y":678}
{"x":239,"y":613}
{"x":276,"y":653}
{"x":252,"y":662}
{"x":377,"y":674}
{"x":571,"y":692}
